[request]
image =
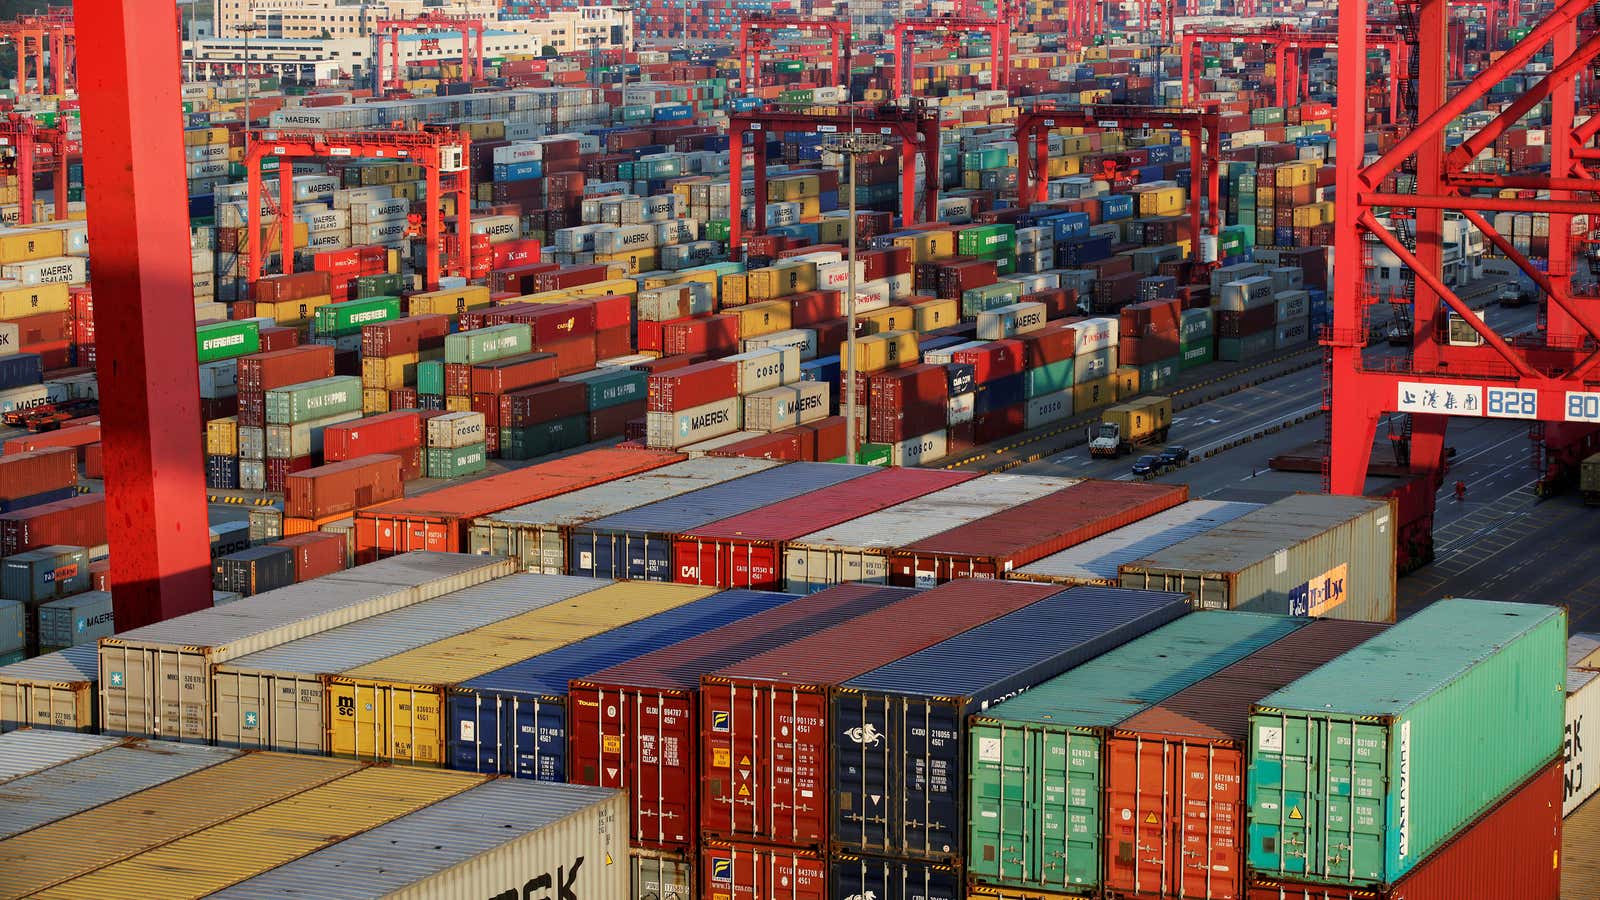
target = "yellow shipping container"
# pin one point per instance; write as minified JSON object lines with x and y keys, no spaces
{"x":19,"y":244}
{"x":293,"y":312}
{"x":889,"y":350}
{"x":448,"y":302}
{"x":1161,"y":201}
{"x":929,"y":246}
{"x":1062,"y":166}
{"x":200,"y":137}
{"x":1313,"y":214}
{"x":492,"y":130}
{"x":936,"y":314}
{"x":17,"y":301}
{"x":735,"y":289}
{"x":393,"y":709}
{"x":374,"y":400}
{"x":781,"y":280}
{"x":636,"y":261}
{"x":409,"y":190}
{"x":1094,"y":394}
{"x":205,"y":861}
{"x":389,"y":373}
{"x":833,"y":230}
{"x":458,"y":404}
{"x":886,"y":319}
{"x":222,"y":437}
{"x":1127,"y":382}
{"x":131,"y":825}
{"x":793,"y":187}
{"x":618,"y":283}
{"x":766,"y":317}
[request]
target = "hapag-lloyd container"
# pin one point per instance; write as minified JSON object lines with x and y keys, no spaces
{"x":636,"y":725}
{"x":874,"y":876}
{"x":1308,"y":554}
{"x":1174,"y":773}
{"x":486,"y":841}
{"x":276,"y":699}
{"x":156,"y":680}
{"x":858,"y":550}
{"x":1516,"y":850}
{"x":55,"y":691}
{"x":997,"y":544}
{"x":1097,"y":561}
{"x":393,"y":708}
{"x":1361,"y":769}
{"x":735,"y":871}
{"x":513,"y":721}
{"x":1034,"y":780}
{"x":901,"y":792}
{"x":766,"y":735}
{"x":535,"y":534}
{"x":747,"y":550}
{"x":638,"y":544}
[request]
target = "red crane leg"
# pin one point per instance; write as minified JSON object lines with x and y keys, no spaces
{"x":149,"y":385}
{"x":735,"y":190}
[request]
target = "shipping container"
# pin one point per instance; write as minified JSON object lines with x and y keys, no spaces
{"x":1174,"y":773}
{"x":440,"y":520}
{"x":30,"y":750}
{"x":858,"y":550}
{"x":900,"y":731}
{"x":767,"y":738}
{"x":497,"y":838}
{"x":341,"y":487}
{"x":79,"y":619}
{"x":894,"y":879}
{"x":1581,"y":744}
{"x":638,"y":544}
{"x":616,"y":739}
{"x":747,"y":550}
{"x":55,"y":691}
{"x":393,"y":707}
{"x":1448,"y":711}
{"x":997,"y":544}
{"x":1034,"y":780}
{"x":513,"y":721}
{"x":734,"y":871}
{"x":535,"y":535}
{"x":1580,"y":851}
{"x":1097,"y":561}
{"x":1304,"y":555}
{"x":155,"y":680}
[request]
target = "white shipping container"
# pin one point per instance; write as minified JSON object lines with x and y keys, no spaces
{"x":328,"y":240}
{"x":457,"y":429}
{"x":671,"y":430}
{"x":391,"y":232}
{"x":961,"y":408}
{"x":499,"y":228}
{"x":30,"y":396}
{"x":767,"y":367}
{"x":804,"y":339}
{"x":10,"y":338}
{"x":349,"y":198}
{"x":325,"y":220}
{"x":518,"y":151}
{"x":835,"y":276}
{"x":624,"y":238}
{"x":1049,"y":408}
{"x":303,"y":439}
{"x":253,"y":474}
{"x":773,"y":409}
{"x":1005,"y":321}
{"x":1095,"y":334}
{"x":314,"y":187}
{"x":219,"y":379}
{"x":1581,"y":743}
{"x":252,"y":442}
{"x":372,"y":212}
{"x":51,"y":270}
{"x":915,"y":451}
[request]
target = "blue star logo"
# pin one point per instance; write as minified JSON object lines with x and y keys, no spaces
{"x":116,"y":679}
{"x":250,"y":719}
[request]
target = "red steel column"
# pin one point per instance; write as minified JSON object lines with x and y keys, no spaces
{"x":735,"y":189}
{"x":1563,"y":330}
{"x":286,"y":216}
{"x":908,"y":185}
{"x":25,"y":153}
{"x":149,"y":384}
{"x":1427,"y":432}
{"x":432,"y":231}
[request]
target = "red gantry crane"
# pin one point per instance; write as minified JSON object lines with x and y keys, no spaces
{"x":48,"y":37}
{"x":917,"y":130}
{"x":443,"y":156}
{"x":33,"y":147}
{"x":755,"y":40}
{"x":1205,"y":151}
{"x":1289,"y":44}
{"x":1550,"y":381}
{"x":388,"y":31}
{"x":952,"y":28}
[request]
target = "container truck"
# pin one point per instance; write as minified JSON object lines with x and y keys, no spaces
{"x":1128,"y":425}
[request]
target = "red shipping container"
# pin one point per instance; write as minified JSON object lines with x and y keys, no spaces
{"x":907,"y":403}
{"x":439,"y":520}
{"x":508,"y":254}
{"x":279,"y":470}
{"x":612,"y":421}
{"x":611,"y":343}
{"x":518,"y":280}
{"x":44,"y":328}
{"x":100,"y":575}
{"x":1138,"y":351}
{"x":296,"y":286}
{"x":651,"y":749}
{"x":994,"y":545}
{"x":94,"y":460}
{"x":715,"y":335}
{"x":1514,"y":851}
{"x":667,"y":363}
{"x":386,"y":433}
{"x":831,"y":433}
{"x":1053,"y":343}
{"x":545,"y":403}
{"x":403,"y":398}
{"x":1175,"y":773}
{"x":79,"y":436}
{"x":261,"y":372}
{"x":570,"y":276}
{"x":748,"y":872}
{"x":996,"y":359}
{"x":76,"y":521}
{"x":611,"y":311}
{"x":691,"y":386}
{"x":770,"y":713}
{"x":401,"y":336}
{"x":53,"y":355}
{"x":746,"y":551}
{"x":279,"y":337}
{"x":24,"y":474}
{"x":649,"y":336}
{"x":316,"y":553}
{"x":341,"y":487}
{"x":512,"y":373}
{"x":811,"y":307}
{"x":789,"y":444}
{"x":572,"y":356}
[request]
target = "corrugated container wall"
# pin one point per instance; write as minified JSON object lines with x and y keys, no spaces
{"x":1097,"y":561}
{"x":29,"y":750}
{"x":55,"y":691}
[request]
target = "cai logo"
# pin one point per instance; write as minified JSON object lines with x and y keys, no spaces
{"x":722,"y":870}
{"x":719,"y":720}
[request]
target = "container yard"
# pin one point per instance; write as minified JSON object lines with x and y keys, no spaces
{"x":798,"y":450}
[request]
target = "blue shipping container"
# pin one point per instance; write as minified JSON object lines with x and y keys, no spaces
{"x":519,"y":171}
{"x":918,"y":707}
{"x":637,"y":545}
{"x":513,"y":721}
{"x":20,"y":370}
{"x":1068,"y":225}
{"x":894,"y":879}
{"x":1000,"y":393}
{"x":1116,"y":206}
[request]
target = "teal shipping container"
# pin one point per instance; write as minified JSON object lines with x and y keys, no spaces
{"x":1361,"y":769}
{"x":1035,"y":818}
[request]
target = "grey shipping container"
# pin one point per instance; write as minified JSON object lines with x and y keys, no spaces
{"x":659,"y":875}
{"x":901,"y":793}
{"x":253,"y":571}
{"x":80,"y":619}
{"x":503,"y":838}
{"x":15,"y":621}
{"x":55,"y":691}
{"x":535,"y":535}
{"x":1304,"y":555}
{"x":155,"y":680}
{"x":60,"y":791}
{"x":858,"y":550}
{"x":44,"y":574}
{"x":1097,"y":561}
{"x":637,"y":545}
{"x":273,"y":699}
{"x":30,"y":750}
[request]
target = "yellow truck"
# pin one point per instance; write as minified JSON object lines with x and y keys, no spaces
{"x":1132,"y":424}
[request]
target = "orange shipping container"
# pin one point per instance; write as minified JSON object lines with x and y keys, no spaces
{"x":79,"y":436}
{"x":439,"y":520}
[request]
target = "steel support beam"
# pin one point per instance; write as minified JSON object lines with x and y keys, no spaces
{"x":149,"y":381}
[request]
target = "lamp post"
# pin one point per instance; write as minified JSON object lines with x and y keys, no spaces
{"x":851,"y":146}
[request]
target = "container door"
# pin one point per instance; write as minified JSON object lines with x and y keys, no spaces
{"x":744,"y":872}
{"x":749,"y":565}
{"x":1069,"y":803}
{"x":732,"y":767}
{"x":863,"y":747}
{"x":1210,"y":805}
{"x":541,"y":733}
{"x":475,"y":739}
{"x":662,"y":877}
{"x":552,"y":553}
{"x":797,"y":775}
{"x":126,"y":695}
{"x":183,"y":706}
{"x":1002,"y":827}
{"x":927,"y":813}
{"x":357,"y":721}
{"x":1139,"y":828}
{"x":662,"y":762}
{"x":296,"y":720}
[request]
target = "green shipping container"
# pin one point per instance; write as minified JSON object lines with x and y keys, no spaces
{"x":987,"y":241}
{"x":389,"y":284}
{"x":990,"y":296}
{"x":313,"y":400}
{"x":1048,"y":379}
{"x":430,"y":377}
{"x":613,"y":386}
{"x":1035,"y":778}
{"x":1158,"y":375}
{"x":482,"y":345}
{"x":225,"y":340}
{"x":1193,"y":355}
{"x":1361,"y":769}
{"x":340,"y":319}
{"x":546,"y":437}
{"x":456,"y":462}
{"x":872,"y":455}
